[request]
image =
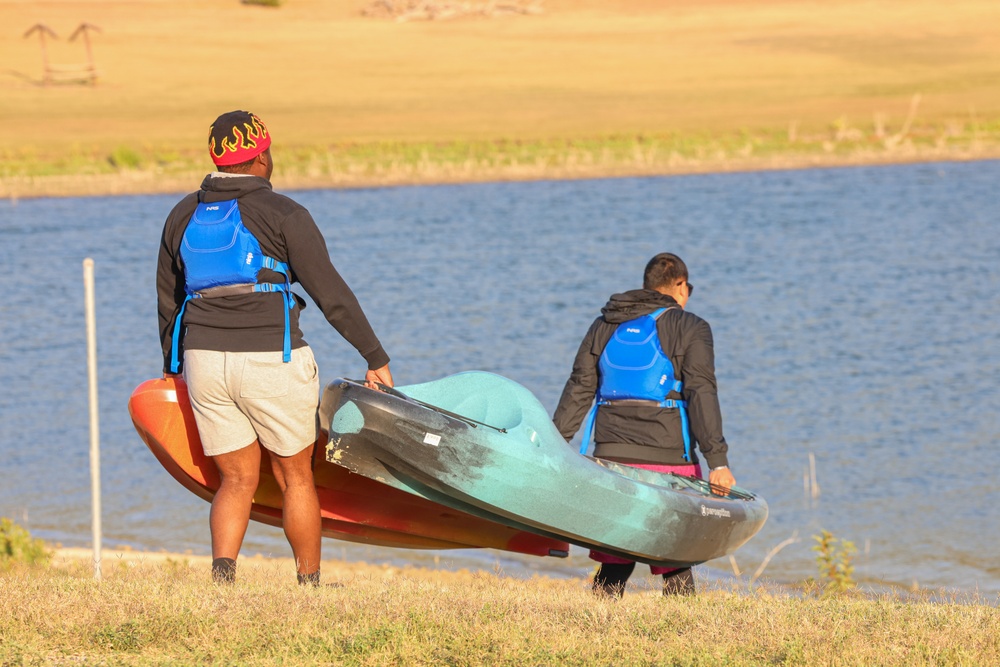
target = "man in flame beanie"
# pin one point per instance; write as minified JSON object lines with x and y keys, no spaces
{"x":229,"y":322}
{"x":237,"y":137}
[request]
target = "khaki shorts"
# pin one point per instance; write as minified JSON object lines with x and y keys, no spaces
{"x":239,"y":397}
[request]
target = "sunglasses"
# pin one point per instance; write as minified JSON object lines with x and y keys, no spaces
{"x":690,"y":288}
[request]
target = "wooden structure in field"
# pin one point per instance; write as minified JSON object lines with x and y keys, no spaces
{"x":69,"y":73}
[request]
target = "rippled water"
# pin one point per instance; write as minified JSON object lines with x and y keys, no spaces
{"x":856,"y":314}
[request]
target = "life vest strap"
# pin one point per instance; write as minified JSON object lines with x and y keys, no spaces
{"x":175,"y":361}
{"x":270,"y":287}
{"x":286,"y":348}
{"x":669,"y":403}
{"x":230,"y":290}
{"x":274,"y":265}
{"x":588,"y":428}
{"x":665,"y":403}
{"x":224,"y":290}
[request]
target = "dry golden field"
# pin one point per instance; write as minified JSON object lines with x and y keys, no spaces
{"x":705,"y":84}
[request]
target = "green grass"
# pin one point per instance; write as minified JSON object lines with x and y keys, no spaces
{"x":27,"y":171}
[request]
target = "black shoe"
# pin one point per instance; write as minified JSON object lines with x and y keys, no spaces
{"x":311,"y":579}
{"x":610,"y":580}
{"x":223,"y":570}
{"x":679,"y":582}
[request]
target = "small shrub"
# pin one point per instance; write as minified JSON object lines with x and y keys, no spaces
{"x":176,"y":566}
{"x":17,"y":546}
{"x":126,"y":637}
{"x":167,"y":158}
{"x":124,"y":157}
{"x":834,"y":557}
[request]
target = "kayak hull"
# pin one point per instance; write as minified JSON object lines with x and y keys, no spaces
{"x":353,"y":508}
{"x":524,"y":474}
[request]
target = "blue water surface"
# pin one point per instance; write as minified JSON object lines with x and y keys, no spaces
{"x":856,"y":315}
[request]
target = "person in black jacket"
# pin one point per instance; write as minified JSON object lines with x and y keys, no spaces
{"x":230,"y":323}
{"x":659,"y":430}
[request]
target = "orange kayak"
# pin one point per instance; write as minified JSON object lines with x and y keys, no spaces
{"x":353,"y":508}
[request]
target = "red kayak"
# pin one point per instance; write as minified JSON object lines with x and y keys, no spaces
{"x":353,"y":508}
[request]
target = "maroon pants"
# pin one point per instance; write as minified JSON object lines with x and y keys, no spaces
{"x":690,"y":470}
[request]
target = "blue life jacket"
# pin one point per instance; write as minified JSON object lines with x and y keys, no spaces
{"x":633,"y":367}
{"x":221,"y":257}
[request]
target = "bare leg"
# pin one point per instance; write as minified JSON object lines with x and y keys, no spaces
{"x":240,"y":472}
{"x":300,"y":516}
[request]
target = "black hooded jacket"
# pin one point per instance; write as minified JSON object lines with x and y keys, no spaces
{"x":640,"y":433}
{"x":256,"y":322}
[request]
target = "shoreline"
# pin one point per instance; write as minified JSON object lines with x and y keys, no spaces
{"x":296,"y":178}
{"x":333,"y":569}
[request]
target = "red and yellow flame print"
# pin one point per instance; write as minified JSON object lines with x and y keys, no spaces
{"x":233,"y":140}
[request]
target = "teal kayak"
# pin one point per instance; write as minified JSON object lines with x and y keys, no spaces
{"x":483,"y":444}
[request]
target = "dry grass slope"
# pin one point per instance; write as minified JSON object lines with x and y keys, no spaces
{"x":682,"y":85}
{"x":163,"y":611}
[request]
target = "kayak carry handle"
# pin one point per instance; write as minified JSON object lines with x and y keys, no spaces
{"x":392,"y":391}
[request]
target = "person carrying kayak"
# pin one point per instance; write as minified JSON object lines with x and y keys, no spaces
{"x":643,"y":385}
{"x":229,"y":322}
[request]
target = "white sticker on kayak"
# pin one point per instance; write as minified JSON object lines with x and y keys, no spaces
{"x":432,"y":439}
{"x":712,"y":511}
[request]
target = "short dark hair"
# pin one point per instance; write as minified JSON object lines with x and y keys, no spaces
{"x":241,"y":168}
{"x":664,"y":270}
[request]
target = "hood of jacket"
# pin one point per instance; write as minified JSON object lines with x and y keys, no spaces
{"x":634,"y":303}
{"x":219,"y":186}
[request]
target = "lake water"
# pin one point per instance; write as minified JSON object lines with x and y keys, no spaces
{"x":856,"y":315}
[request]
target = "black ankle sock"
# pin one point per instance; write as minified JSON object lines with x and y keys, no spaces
{"x":612,"y":577}
{"x":311,"y":579}
{"x":223,"y":570}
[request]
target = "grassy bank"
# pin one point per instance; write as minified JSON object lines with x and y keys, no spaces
{"x":163,"y":611}
{"x":125,"y":170}
{"x":587,"y":88}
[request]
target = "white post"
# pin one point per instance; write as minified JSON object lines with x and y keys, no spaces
{"x":95,"y":447}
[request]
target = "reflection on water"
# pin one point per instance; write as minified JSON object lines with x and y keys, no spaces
{"x":854,"y":313}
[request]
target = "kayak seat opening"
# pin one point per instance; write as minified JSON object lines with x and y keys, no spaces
{"x":481,"y":396}
{"x":495,"y":409}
